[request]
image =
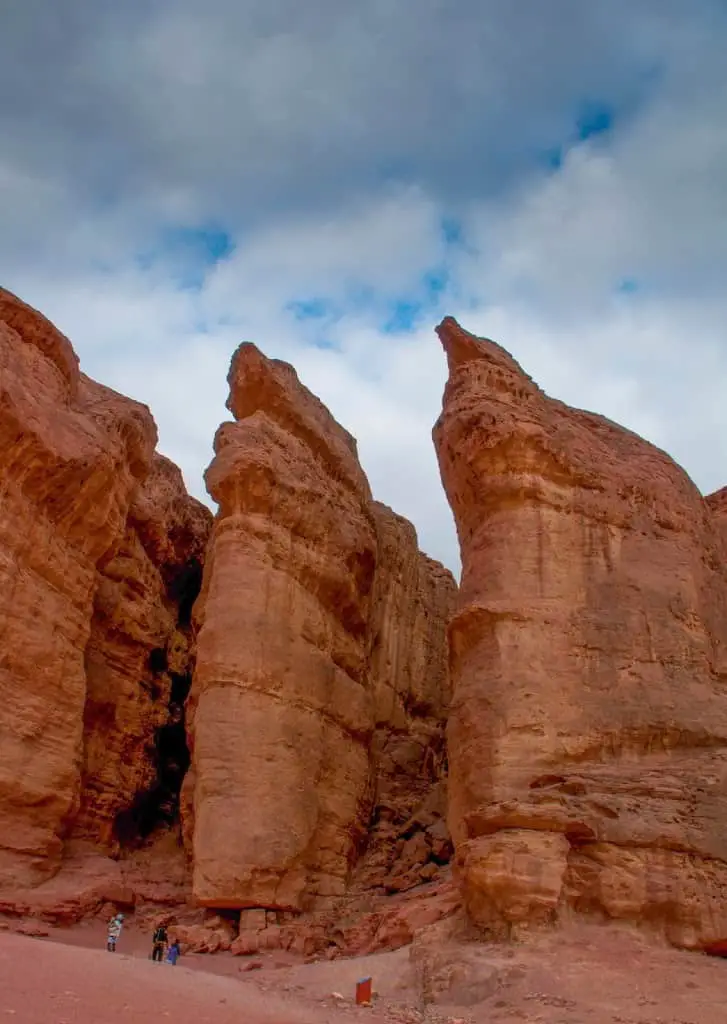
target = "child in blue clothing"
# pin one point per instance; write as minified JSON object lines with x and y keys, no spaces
{"x":173,"y":953}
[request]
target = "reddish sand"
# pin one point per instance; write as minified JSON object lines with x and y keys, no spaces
{"x":52,"y":983}
{"x":590,"y":974}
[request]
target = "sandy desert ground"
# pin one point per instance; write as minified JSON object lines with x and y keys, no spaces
{"x":589,"y":974}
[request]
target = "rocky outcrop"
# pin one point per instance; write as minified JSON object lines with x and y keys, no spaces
{"x":588,"y":732}
{"x":321,"y":685}
{"x":97,"y":542}
{"x":316,"y":720}
{"x":71,"y":456}
{"x":413,"y":599}
{"x":282,"y":707}
{"x":139,"y":664}
{"x":717,"y":504}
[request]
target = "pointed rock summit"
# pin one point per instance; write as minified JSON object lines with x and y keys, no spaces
{"x":588,"y":728}
{"x":315,"y":607}
{"x":462,"y":347}
{"x":276,"y":713}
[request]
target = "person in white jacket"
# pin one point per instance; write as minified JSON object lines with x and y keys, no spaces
{"x":114,"y":932}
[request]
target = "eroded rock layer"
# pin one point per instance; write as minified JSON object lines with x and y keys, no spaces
{"x":588,"y":733}
{"x":413,"y":599}
{"x":71,"y":456}
{"x":97,"y":538}
{"x":321,"y":684}
{"x":139,"y":664}
{"x":316,"y":721}
{"x":283,"y":712}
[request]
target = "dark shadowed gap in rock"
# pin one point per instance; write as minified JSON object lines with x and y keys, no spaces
{"x":184,"y":588}
{"x":232,"y":917}
{"x":157,"y":808}
{"x":179,"y":691}
{"x":158,"y":660}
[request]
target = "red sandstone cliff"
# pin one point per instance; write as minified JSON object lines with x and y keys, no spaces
{"x":321,"y":681}
{"x":139,"y":664}
{"x":322,"y":687}
{"x":94,"y":531}
{"x":413,"y":599}
{"x":588,"y":733}
{"x":283,"y":715}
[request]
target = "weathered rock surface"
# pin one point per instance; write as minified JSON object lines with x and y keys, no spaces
{"x":717,"y":504}
{"x":588,"y":733}
{"x":317,"y":715}
{"x":96,"y":536}
{"x":321,"y":684}
{"x":88,"y":880}
{"x":283,"y":712}
{"x":139,"y":664}
{"x":413,"y":599}
{"x":394,"y":921}
{"x":71,"y":456}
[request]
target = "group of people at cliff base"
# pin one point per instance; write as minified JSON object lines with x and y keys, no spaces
{"x":159,"y":944}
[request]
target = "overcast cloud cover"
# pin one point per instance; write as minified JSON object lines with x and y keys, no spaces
{"x":329,"y":178}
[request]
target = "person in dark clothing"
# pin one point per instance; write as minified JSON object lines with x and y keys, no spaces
{"x":159,"y":941}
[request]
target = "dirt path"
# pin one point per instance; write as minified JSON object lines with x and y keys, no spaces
{"x":594,"y":974}
{"x":52,"y":983}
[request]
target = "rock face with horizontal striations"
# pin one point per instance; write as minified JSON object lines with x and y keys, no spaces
{"x":588,"y":733}
{"x":717,"y":503}
{"x":72,"y":454}
{"x":413,"y":599}
{"x":283,"y":713}
{"x":100,"y":561}
{"x":139,"y":664}
{"x":322,"y":681}
{"x":316,"y":719}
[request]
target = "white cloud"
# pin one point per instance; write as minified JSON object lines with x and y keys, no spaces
{"x":330,"y":143}
{"x":383,"y":242}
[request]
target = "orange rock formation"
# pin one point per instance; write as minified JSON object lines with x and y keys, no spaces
{"x":317,"y":610}
{"x":413,"y":598}
{"x":588,"y":732}
{"x":587,"y":736}
{"x":88,"y":563}
{"x":282,"y":719}
{"x":139,"y":664}
{"x":317,"y":714}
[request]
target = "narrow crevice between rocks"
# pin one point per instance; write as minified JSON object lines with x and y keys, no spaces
{"x":184,"y":590}
{"x":157,"y":808}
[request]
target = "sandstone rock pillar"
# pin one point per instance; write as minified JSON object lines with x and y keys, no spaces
{"x":588,"y":734}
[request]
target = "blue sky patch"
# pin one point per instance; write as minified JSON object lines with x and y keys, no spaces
{"x":188,"y":252}
{"x":209,"y":244}
{"x":325,"y":343}
{"x":435,"y":283}
{"x":452,"y":231}
{"x":406,"y":312}
{"x":310,"y":309}
{"x":594,"y":118}
{"x":553,"y":158}
{"x":404,"y":316}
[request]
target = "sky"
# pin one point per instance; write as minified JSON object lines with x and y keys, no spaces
{"x":329,"y":179}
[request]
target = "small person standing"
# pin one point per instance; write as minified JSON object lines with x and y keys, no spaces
{"x":114,"y":933}
{"x":174,"y":953}
{"x":159,"y":941}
